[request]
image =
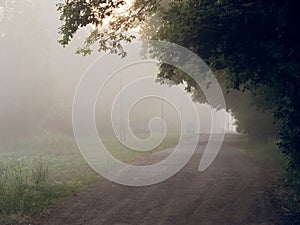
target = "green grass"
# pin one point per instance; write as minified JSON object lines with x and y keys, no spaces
{"x":35,"y":172}
{"x":286,"y":190}
{"x":25,"y":188}
{"x":266,"y":154}
{"x":125,"y":154}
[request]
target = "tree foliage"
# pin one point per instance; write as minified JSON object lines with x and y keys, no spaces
{"x":252,"y":45}
{"x":108,"y":20}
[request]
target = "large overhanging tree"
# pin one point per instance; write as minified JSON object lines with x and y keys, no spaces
{"x":252,"y":45}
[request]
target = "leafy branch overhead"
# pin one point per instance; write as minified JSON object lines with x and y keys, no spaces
{"x":253,"y":46}
{"x":109,"y":22}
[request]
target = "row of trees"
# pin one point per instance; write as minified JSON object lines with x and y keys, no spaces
{"x":32,"y":97}
{"x":252,"y":46}
{"x":26,"y":84}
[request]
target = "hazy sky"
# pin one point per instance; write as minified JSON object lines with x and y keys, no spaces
{"x":39,"y":77}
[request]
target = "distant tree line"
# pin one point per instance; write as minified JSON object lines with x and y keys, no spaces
{"x":28,"y":101}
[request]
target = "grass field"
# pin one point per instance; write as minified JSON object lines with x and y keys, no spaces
{"x":37,"y":171}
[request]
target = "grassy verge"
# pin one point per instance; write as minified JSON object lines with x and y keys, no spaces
{"x":125,"y":154}
{"x":286,"y":190}
{"x":266,"y":154}
{"x":25,"y":188}
{"x":36,"y":172}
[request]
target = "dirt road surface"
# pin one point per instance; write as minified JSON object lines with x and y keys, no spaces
{"x":232,"y":191}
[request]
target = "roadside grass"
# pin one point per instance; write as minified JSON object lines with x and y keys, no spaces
{"x":36,"y":172}
{"x":127,"y":155}
{"x":266,"y":154}
{"x":25,"y":188}
{"x":285,"y":189}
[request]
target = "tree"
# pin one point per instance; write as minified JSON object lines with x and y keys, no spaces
{"x":26,"y":85}
{"x":109,"y":22}
{"x":252,"y":46}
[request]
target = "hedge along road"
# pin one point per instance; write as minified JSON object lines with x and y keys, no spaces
{"x":233,"y":191}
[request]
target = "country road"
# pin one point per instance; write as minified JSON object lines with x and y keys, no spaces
{"x":232,"y":191}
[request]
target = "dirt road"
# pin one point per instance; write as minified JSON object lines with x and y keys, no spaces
{"x":233,"y":191}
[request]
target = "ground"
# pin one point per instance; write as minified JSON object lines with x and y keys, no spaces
{"x":234,"y":190}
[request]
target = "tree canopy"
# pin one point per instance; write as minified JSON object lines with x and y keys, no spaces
{"x":109,"y":22}
{"x":252,"y":45}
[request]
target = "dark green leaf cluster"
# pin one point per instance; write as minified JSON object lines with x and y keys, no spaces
{"x":253,"y":45}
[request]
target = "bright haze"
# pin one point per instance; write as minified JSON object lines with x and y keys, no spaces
{"x":39,"y":78}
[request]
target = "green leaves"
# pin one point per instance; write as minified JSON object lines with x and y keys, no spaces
{"x":253,"y":46}
{"x":110,"y":22}
{"x":80,"y":13}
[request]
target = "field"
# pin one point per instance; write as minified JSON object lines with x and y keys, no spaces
{"x":37,"y":171}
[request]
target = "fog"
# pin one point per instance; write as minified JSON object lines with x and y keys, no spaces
{"x":39,"y":79}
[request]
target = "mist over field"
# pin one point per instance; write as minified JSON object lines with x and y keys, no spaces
{"x":39,"y":77}
{"x":226,"y":152}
